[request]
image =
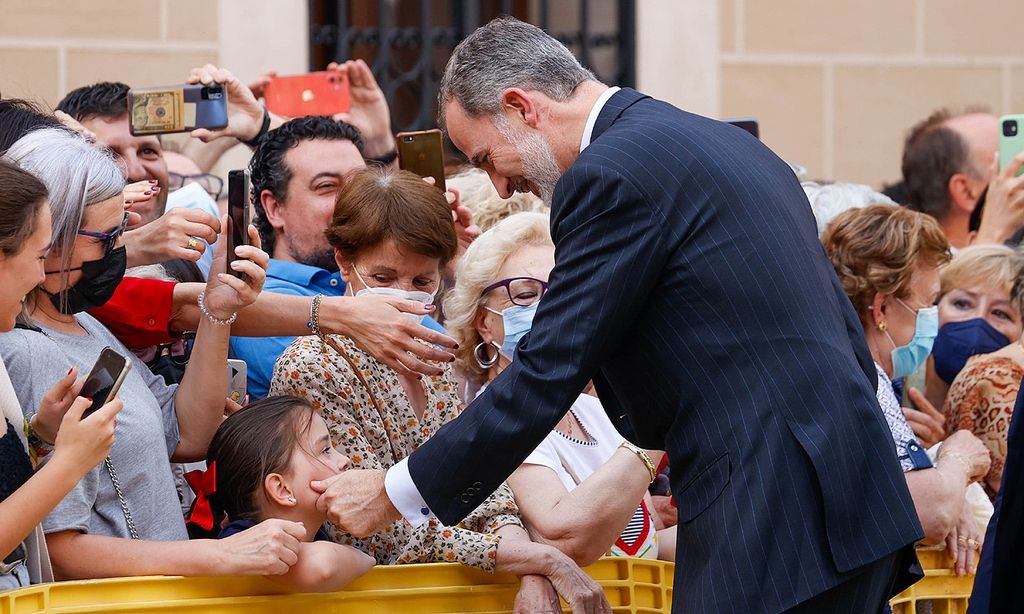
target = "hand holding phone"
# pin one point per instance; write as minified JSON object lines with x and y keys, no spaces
{"x":1011,"y":139}
{"x":104,"y":379}
{"x":422,"y":153}
{"x":238,"y":215}
{"x":177,"y":108}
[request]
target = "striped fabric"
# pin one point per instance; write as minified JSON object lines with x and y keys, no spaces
{"x":690,"y":286}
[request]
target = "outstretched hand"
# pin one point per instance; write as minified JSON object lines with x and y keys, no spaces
{"x":356,"y":501}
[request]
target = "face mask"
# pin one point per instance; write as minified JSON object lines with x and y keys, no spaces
{"x":908,"y":358}
{"x":517,"y":321}
{"x":100,"y":278}
{"x":958,"y":341}
{"x":425,"y":298}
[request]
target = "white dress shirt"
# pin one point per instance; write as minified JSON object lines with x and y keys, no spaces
{"x":398,"y":482}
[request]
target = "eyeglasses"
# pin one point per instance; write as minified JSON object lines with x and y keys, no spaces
{"x":109,"y":238}
{"x":179,"y":351}
{"x":213,"y":184}
{"x":522,"y":291}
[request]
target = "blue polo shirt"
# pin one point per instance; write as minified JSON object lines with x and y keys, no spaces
{"x":260,"y":353}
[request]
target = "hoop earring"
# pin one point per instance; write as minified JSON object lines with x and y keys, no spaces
{"x":486,"y":362}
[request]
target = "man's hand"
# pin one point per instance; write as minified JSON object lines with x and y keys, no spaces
{"x":168,"y":237}
{"x":245,"y":113}
{"x":1004,"y":203}
{"x":380,"y":326}
{"x":259,"y":85}
{"x":369,"y":109}
{"x":356,"y":501}
{"x":928,"y":423}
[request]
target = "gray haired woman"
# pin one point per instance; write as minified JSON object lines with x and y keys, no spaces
{"x":122,"y":518}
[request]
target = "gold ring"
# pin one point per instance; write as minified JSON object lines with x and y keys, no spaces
{"x":973,"y":544}
{"x":193,"y":244}
{"x":962,"y":540}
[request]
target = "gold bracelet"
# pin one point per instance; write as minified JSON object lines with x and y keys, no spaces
{"x":644,"y":458}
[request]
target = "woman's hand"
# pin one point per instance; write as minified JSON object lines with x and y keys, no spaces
{"x":83,"y":442}
{"x":139,"y":192}
{"x":928,"y":423}
{"x":964,"y":542}
{"x":583,"y":594}
{"x":267,"y":549}
{"x":368,"y":110}
{"x":536,"y":596}
{"x":965,"y":447}
{"x":55,"y":404}
{"x":227,"y":294}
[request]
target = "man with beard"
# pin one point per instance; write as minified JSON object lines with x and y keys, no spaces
{"x":690,"y":286}
{"x":296,"y":172}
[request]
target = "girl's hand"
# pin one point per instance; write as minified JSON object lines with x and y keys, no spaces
{"x":55,"y":405}
{"x":84,"y":442}
{"x":227,"y":294}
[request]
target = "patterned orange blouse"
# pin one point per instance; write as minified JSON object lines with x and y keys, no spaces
{"x":377,"y":435}
{"x":981,"y":400}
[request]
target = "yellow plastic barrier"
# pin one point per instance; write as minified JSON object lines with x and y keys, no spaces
{"x":940,"y":592}
{"x":636,"y":586}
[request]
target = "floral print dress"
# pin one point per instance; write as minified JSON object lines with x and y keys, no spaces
{"x":372,"y":422}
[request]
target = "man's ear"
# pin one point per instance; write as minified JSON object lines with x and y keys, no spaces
{"x":278,"y":490}
{"x":517,"y":102}
{"x":272,"y":209}
{"x":962,"y":194}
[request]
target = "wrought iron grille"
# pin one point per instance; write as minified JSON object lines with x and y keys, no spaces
{"x":408,"y":42}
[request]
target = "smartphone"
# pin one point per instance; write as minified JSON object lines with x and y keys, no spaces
{"x":176,"y":108}
{"x":105,"y":379}
{"x":747,"y":123}
{"x":315,"y":93}
{"x":237,"y":377}
{"x":422,"y":153}
{"x":1011,"y":139}
{"x":238,"y":215}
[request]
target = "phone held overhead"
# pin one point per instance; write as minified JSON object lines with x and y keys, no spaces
{"x":176,"y":108}
{"x":316,"y":93}
{"x":422,"y":153}
{"x":1011,"y":139}
{"x":238,"y":215}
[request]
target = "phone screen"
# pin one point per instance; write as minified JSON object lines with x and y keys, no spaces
{"x":238,"y":214}
{"x":104,"y":379}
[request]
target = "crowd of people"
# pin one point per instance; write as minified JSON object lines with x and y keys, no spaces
{"x":372,"y":307}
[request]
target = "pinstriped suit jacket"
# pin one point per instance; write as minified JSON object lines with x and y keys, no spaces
{"x":690,"y":285}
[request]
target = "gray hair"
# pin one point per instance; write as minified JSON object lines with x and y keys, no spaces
{"x":502,"y":54}
{"x":77,"y":174}
{"x":830,"y":199}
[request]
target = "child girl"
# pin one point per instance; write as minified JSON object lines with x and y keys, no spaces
{"x":260,"y":464}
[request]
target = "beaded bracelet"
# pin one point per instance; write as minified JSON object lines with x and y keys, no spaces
{"x":209,"y":316}
{"x":314,"y":315}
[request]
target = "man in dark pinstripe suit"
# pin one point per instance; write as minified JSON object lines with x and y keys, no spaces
{"x":690,"y":286}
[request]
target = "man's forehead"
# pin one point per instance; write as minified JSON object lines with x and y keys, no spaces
{"x":115,"y":132}
{"x":459,"y":127}
{"x":318,"y":156}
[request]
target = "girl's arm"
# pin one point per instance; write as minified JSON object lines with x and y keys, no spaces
{"x":324,"y":567}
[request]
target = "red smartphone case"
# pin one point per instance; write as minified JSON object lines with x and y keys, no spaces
{"x":317,"y":93}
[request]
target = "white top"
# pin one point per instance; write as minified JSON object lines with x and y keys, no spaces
{"x":398,"y":481}
{"x":588,"y":130}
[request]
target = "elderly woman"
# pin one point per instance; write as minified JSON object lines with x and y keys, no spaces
{"x":393,"y":234}
{"x":888,"y":260}
{"x":583,"y":490}
{"x":122,"y":518}
{"x":982,"y":397}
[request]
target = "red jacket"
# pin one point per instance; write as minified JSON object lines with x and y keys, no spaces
{"x":139,"y":313}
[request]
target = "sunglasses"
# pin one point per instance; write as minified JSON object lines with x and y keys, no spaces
{"x":109,"y":238}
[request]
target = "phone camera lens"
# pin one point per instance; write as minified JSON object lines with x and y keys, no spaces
{"x":407,"y":139}
{"x":1010,"y":127}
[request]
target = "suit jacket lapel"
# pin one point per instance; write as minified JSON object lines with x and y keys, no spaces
{"x":619,"y":102}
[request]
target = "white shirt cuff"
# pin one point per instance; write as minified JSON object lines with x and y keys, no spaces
{"x":404,"y":495}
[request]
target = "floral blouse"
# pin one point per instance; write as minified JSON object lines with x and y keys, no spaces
{"x":981,"y":400}
{"x":374,"y":439}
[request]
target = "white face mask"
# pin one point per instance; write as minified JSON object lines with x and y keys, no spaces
{"x":425,"y":298}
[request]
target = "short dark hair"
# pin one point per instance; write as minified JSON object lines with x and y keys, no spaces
{"x":932,"y":153}
{"x":379,"y":203}
{"x":19,"y":117}
{"x":21,"y":198}
{"x":268,"y":171}
{"x":104,"y":99}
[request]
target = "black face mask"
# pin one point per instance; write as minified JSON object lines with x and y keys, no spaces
{"x":100,"y":278}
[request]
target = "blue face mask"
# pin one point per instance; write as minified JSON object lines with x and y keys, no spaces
{"x":907,"y":359}
{"x":958,"y":341}
{"x":517,"y":321}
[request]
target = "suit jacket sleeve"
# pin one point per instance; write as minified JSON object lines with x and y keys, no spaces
{"x":609,"y":256}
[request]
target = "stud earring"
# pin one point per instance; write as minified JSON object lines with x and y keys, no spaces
{"x":882,"y":326}
{"x":291,"y":499}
